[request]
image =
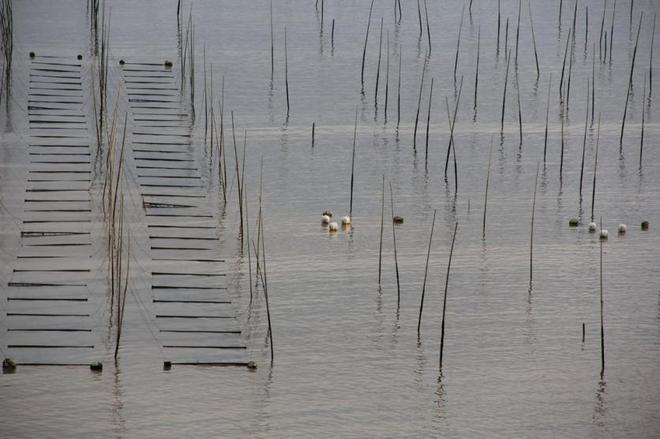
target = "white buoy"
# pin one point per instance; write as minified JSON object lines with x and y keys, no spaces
{"x":604,"y":234}
{"x":346,"y":220}
{"x":622,"y":229}
{"x":325,"y":219}
{"x":333,"y":227}
{"x":592,"y":227}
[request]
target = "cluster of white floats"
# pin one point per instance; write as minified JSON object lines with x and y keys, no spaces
{"x":604,"y":234}
{"x":332,"y":225}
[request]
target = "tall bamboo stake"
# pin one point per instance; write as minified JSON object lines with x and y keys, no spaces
{"x":364,"y":51}
{"x":476,"y":73}
{"x":419,"y":104}
{"x":265,"y":282}
{"x":286,"y":75}
{"x":593,"y":83}
{"x":586,"y":29}
{"x":602,"y":325}
{"x":419,"y":17}
{"x":630,"y":81}
{"x":272,"y":44}
{"x":428,"y":28}
{"x":239,"y":186}
{"x":518,"y":32}
{"x":444,"y":302}
{"x":536,"y":54}
{"x":506,"y":82}
{"x":387,"y":75}
{"x":593,"y":188}
{"x":568,"y":85}
{"x":602,"y":27}
{"x":332,"y":37}
{"x":458,"y":45}
{"x":350,"y":209}
{"x":380,"y":53}
{"x":426,"y":270}
{"x":382,"y":227}
{"x":398,"y":93}
{"x":519,"y":109}
{"x":499,"y":20}
{"x":396,"y":259}
{"x":531,"y":236}
{"x":506,"y":39}
{"x":651,"y":59}
{"x":561,"y":157}
{"x":428,"y":123}
{"x":612,"y":31}
{"x":247,"y":235}
{"x":563,"y":67}
{"x":584,"y":141}
{"x":452,"y":125}
{"x":547,"y":115}
{"x":490,"y":156}
{"x":641,"y":140}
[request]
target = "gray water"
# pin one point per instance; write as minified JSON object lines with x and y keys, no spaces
{"x":348,"y":363}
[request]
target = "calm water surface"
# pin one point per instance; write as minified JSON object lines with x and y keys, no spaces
{"x":348,"y":362}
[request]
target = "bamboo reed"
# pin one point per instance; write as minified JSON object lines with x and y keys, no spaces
{"x":428,"y":123}
{"x":612,"y":31}
{"x":396,"y":260}
{"x":641,"y":140}
{"x":350,"y":209}
{"x":426,"y":270}
{"x":476,"y":73}
{"x":428,"y":28}
{"x":444,"y":302}
{"x":602,"y":325}
{"x":536,"y":54}
{"x":364,"y":51}
{"x":630,"y":81}
{"x":382,"y":226}
{"x":490,"y":156}
{"x":458,"y":45}
{"x":547,"y":115}
{"x":380,"y":53}
{"x":419,"y":104}
{"x":593,"y":188}
{"x":265,"y":289}
{"x":584,"y":141}
{"x":387,"y":75}
{"x":286,"y":76}
{"x":506,"y":82}
{"x":531,"y":236}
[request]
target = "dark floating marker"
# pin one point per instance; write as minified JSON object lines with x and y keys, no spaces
{"x":121,"y":62}
{"x":79,"y":57}
{"x":96,"y":367}
{"x":31,"y":54}
{"x":645,"y":225}
{"x":167,"y":365}
{"x":8,"y":365}
{"x":168,"y":64}
{"x":396,"y":219}
{"x":573,"y":222}
{"x":252,"y":365}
